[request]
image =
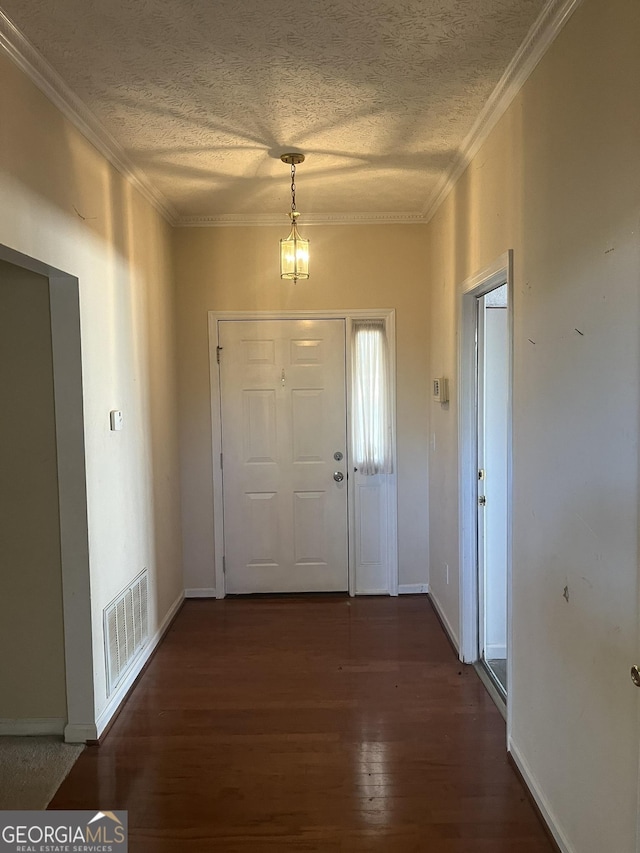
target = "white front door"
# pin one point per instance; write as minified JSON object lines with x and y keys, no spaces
{"x":283,"y":409}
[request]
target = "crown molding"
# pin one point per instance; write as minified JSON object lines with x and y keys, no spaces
{"x":279,"y":219}
{"x":47,"y":79}
{"x":538,"y":40}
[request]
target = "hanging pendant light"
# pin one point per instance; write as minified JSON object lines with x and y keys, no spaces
{"x":294,"y":250}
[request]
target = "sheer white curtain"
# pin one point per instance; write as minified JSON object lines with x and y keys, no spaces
{"x":371,"y":398}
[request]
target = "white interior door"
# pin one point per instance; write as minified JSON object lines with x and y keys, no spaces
{"x":283,"y":409}
{"x":493,"y":397}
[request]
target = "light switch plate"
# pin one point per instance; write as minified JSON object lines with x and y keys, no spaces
{"x":115,"y":417}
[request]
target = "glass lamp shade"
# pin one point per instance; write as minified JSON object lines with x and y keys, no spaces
{"x":294,"y":254}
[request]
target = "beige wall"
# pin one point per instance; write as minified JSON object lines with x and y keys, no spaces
{"x":63,"y":204}
{"x":226,"y":269}
{"x":32,"y":671}
{"x":559,"y":182}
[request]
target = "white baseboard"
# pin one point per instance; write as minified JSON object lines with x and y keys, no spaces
{"x":445,"y":621}
{"x":200,"y":592}
{"x":80,"y":732}
{"x":541,"y":801}
{"x":412,"y":588}
{"x":493,"y":652}
{"x":372,"y":592}
{"x":32,"y":727}
{"x":123,"y":688}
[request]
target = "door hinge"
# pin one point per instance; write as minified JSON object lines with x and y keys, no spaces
{"x":221,"y":461}
{"x":218,"y":351}
{"x":482,"y":474}
{"x":482,"y":501}
{"x":224,"y":565}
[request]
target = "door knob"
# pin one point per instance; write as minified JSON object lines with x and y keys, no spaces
{"x":338,"y":476}
{"x":635,"y":675}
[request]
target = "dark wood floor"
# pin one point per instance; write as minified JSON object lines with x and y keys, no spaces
{"x":308,"y":724}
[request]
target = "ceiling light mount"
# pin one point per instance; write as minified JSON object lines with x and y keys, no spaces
{"x":294,"y":250}
{"x":292,"y":159}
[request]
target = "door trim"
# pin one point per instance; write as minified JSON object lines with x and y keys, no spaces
{"x":386,"y":314}
{"x":495,"y":275}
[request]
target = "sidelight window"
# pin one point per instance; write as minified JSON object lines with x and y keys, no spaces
{"x":371,"y":421}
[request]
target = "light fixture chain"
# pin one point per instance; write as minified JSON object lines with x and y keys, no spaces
{"x":293,"y":188}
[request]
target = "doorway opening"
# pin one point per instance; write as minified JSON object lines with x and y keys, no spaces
{"x":486,"y":312}
{"x":50,"y":391}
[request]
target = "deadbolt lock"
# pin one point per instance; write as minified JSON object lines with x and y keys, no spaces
{"x":337,"y":456}
{"x":635,"y":675}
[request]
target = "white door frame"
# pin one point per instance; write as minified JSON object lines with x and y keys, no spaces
{"x":495,"y":275}
{"x":386,"y":314}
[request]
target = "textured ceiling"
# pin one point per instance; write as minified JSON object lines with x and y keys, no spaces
{"x":204,"y":96}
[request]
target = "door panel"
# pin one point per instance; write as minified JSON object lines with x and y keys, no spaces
{"x":372,"y":526}
{"x":306,"y":425}
{"x":283,"y":418}
{"x":259,"y":427}
{"x":310,"y":533}
{"x":261,"y":515}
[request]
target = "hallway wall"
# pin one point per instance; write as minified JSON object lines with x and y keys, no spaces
{"x":359,"y":266}
{"x":65,"y":205}
{"x":558,"y":181}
